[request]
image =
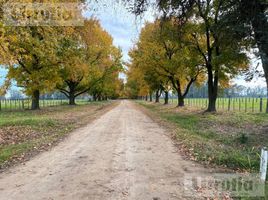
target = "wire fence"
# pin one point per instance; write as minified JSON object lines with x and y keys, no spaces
{"x":228,"y":104}
{"x":25,"y":104}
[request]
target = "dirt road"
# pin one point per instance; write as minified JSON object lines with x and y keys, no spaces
{"x":121,"y":155}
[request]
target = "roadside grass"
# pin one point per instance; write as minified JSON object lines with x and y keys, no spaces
{"x":248,"y":105}
{"x":232,"y":140}
{"x":24,"y":119}
{"x":25,"y":104}
{"x":24,"y":133}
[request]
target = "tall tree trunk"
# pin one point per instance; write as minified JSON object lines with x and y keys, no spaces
{"x":35,"y":100}
{"x":260,"y":26}
{"x":151,"y":96}
{"x":166,"y":98}
{"x":181,"y":101}
{"x":212,"y":91}
{"x":71,"y":99}
{"x":94,"y":97}
{"x":157,"y":96}
{"x":213,"y":81}
{"x":265,"y":67}
{"x":146,"y":98}
{"x":212,"y":98}
{"x":177,"y":86}
{"x":71,"y":94}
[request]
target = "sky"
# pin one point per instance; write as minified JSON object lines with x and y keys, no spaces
{"x":119,"y":22}
{"x":125,"y":28}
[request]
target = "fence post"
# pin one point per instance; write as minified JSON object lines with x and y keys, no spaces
{"x":229,"y":104}
{"x":253,"y":105}
{"x":263,"y":164}
{"x":246,"y":105}
{"x":234,"y":104}
{"x":261,"y":106}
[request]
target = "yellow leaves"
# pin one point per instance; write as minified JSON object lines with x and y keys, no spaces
{"x":161,"y":48}
{"x":33,"y":57}
{"x":88,"y":56}
{"x":43,"y":57}
{"x":5,"y":87}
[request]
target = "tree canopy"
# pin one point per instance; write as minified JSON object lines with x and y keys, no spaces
{"x":205,"y":30}
{"x":70,"y":59}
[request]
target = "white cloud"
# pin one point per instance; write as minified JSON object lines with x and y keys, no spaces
{"x":255,"y":63}
{"x":252,"y":84}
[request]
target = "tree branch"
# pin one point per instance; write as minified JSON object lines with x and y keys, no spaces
{"x":23,"y":66}
{"x":64,"y":91}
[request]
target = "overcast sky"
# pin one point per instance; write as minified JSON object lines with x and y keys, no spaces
{"x":119,"y":22}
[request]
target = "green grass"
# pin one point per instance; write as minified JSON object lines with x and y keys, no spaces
{"x":11,"y":105}
{"x":229,"y":139}
{"x":46,"y":126}
{"x":233,"y":140}
{"x":17,"y":119}
{"x":11,"y":150}
{"x":38,"y":118}
{"x":224,"y":104}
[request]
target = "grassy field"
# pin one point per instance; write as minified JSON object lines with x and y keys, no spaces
{"x":225,"y":104}
{"x":232,"y":140}
{"x":25,"y":104}
{"x":23,"y":133}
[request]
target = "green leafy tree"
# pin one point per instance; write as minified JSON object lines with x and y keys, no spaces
{"x":249,"y":20}
{"x":164,"y":53}
{"x":223,"y":55}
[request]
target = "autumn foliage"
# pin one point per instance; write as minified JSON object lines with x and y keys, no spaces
{"x":74,"y":60}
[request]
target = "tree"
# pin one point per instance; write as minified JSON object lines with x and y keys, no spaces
{"x":249,"y":19}
{"x":31,"y":51}
{"x":136,"y":86}
{"x":148,"y":80}
{"x":87,"y":56}
{"x":109,"y":87}
{"x":163,"y":53}
{"x":222,"y":55}
{"x":34,"y":65}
